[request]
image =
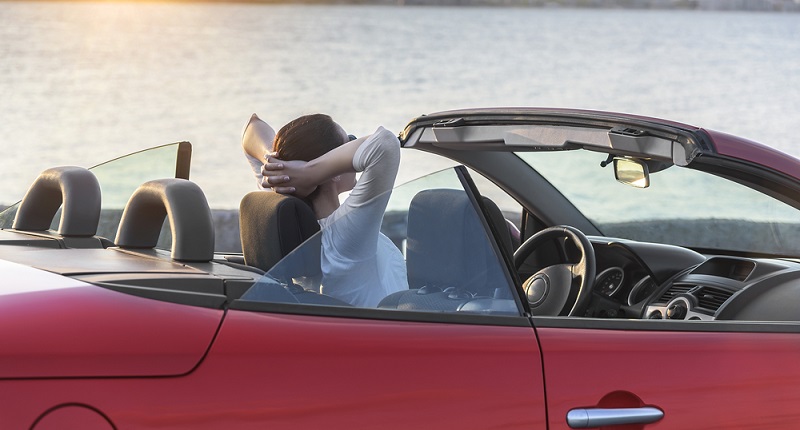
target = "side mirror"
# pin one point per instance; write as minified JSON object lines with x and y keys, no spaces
{"x":632,"y":172}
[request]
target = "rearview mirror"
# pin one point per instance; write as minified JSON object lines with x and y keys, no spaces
{"x":632,"y":172}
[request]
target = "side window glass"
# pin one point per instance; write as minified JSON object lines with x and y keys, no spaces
{"x":119,"y":178}
{"x":428,"y":162}
{"x":433,"y":254}
{"x":510,"y":208}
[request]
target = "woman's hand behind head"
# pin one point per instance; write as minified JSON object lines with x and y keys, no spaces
{"x":288,"y":177}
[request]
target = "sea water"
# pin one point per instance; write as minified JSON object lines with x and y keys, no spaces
{"x":84,"y":82}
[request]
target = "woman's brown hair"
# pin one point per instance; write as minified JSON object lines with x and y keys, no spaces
{"x":307,"y":138}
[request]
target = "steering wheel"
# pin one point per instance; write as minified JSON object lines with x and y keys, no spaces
{"x":560,"y":289}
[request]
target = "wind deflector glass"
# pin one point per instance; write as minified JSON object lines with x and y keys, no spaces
{"x":447,"y":261}
{"x":120,"y":177}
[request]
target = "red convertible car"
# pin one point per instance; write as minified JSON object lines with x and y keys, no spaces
{"x":576,"y":269}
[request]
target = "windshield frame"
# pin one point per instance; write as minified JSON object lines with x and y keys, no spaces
{"x":471,"y":136}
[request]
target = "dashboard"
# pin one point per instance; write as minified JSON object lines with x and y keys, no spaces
{"x":666,"y":282}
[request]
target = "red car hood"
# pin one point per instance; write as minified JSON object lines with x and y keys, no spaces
{"x":54,"y":326}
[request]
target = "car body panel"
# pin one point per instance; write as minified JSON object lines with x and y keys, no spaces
{"x":523,"y":113}
{"x":700,"y":380}
{"x":754,"y":152}
{"x":387,"y":374}
{"x":56,"y":327}
{"x":292,"y":371}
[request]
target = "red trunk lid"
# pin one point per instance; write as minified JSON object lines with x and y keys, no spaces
{"x":54,"y":326}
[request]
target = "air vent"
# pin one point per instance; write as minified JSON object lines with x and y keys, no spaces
{"x":673,"y":291}
{"x":711,"y":298}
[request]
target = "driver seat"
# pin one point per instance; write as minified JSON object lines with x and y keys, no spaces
{"x":449,"y":257}
{"x":272,"y":225}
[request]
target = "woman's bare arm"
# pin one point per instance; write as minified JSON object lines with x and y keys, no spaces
{"x":301,"y":178}
{"x":257,"y":138}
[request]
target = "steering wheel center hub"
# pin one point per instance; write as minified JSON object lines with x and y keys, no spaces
{"x":536,"y":288}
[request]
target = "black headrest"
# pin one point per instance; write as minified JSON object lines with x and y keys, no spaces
{"x":447,"y":245}
{"x":74,"y":189}
{"x":184,"y":204}
{"x":272,"y":225}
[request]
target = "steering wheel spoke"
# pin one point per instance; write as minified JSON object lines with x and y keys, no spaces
{"x":577,"y":273}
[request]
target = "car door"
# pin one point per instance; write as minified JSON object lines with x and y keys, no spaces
{"x":667,"y":374}
{"x":294,"y":357}
{"x":700,"y":376}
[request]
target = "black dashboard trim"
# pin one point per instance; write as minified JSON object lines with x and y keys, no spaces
{"x":667,"y":325}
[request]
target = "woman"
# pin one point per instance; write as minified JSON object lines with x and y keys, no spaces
{"x":313,"y":157}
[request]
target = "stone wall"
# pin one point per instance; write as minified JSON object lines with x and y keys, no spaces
{"x":782,"y":238}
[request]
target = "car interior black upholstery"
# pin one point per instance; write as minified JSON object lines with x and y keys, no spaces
{"x":447,"y":245}
{"x":74,"y":189}
{"x":181,"y":202}
{"x":449,"y":258}
{"x":272,"y":225}
{"x":70,"y":193}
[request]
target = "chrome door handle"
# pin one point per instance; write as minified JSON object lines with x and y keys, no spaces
{"x":599,"y":417}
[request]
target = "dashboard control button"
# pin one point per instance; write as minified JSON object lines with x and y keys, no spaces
{"x":676,"y":311}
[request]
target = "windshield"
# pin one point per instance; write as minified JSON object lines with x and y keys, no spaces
{"x":682,"y":206}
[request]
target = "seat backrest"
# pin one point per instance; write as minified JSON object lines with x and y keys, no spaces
{"x":272,"y":225}
{"x":185,"y":206}
{"x":74,"y":189}
{"x":501,"y":225}
{"x":447,"y":245}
